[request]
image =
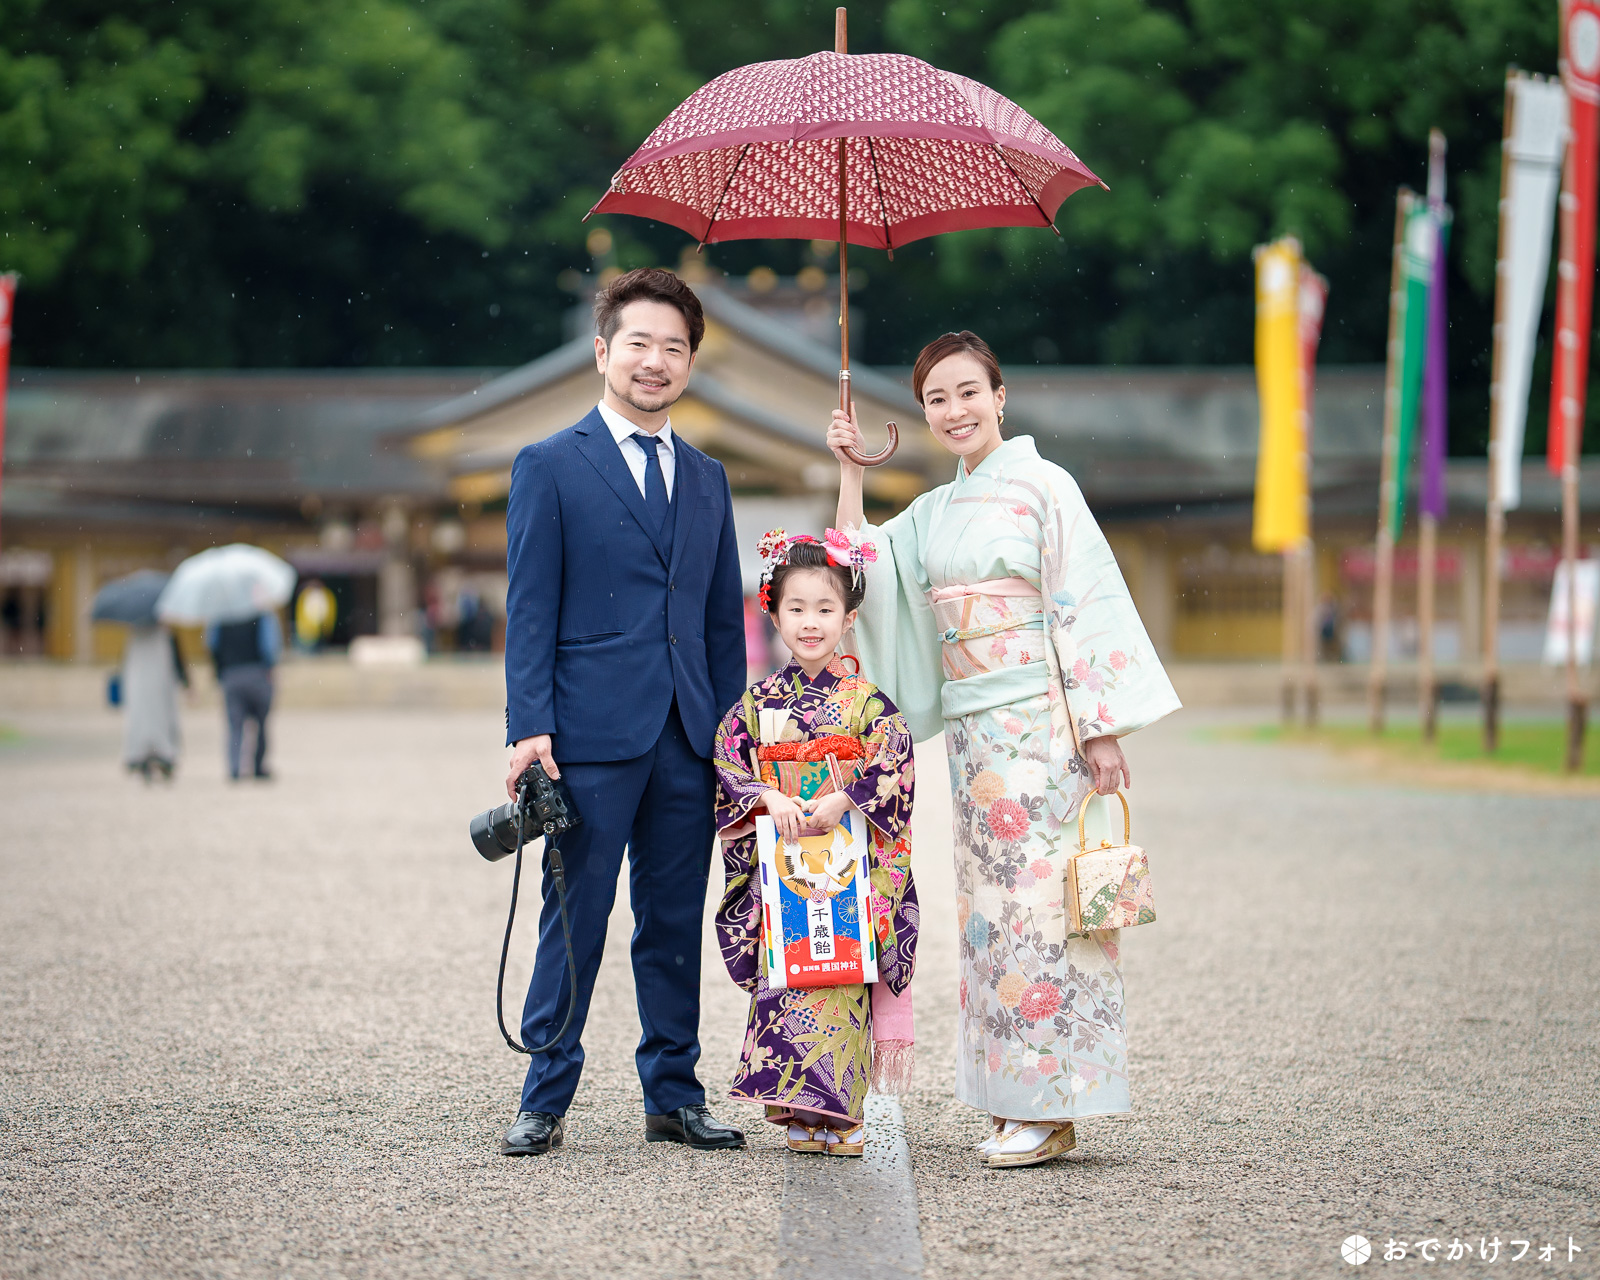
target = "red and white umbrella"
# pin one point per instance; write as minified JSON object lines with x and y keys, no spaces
{"x":875,"y":149}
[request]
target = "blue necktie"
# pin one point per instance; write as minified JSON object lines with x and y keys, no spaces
{"x":655,"y":484}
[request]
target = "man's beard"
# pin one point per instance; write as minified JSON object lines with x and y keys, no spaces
{"x":666,"y":398}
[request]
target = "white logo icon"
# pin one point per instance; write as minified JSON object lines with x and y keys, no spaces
{"x":1356,"y":1250}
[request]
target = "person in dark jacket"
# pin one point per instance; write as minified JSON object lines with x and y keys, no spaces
{"x":244,"y":654}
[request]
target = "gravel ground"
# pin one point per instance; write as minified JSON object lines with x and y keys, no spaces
{"x":245,"y":1030}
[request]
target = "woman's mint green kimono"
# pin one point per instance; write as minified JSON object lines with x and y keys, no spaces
{"x":996,"y":612}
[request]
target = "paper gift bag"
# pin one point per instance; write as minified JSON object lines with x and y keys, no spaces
{"x":817,"y":928}
{"x":1109,"y":887}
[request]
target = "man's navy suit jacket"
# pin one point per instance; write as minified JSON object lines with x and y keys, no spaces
{"x":604,"y":626}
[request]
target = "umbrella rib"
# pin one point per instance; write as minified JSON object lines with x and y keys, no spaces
{"x":725,"y":188}
{"x":883,"y":210}
{"x":1048,"y":220}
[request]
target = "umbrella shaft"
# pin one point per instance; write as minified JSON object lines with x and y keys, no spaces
{"x":841,"y":44}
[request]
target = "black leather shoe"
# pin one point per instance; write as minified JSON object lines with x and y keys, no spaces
{"x":532,"y":1134}
{"x":693,"y":1126}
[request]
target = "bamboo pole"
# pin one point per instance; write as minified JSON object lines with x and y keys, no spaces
{"x":1308,"y":629}
{"x":1494,"y":530}
{"x":1290,"y":639}
{"x":1577,"y":700}
{"x":1427,"y":686}
{"x":1383,"y":568}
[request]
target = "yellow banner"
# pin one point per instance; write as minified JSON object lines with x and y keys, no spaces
{"x":1282,"y":501}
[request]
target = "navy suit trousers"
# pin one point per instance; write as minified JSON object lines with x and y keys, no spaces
{"x":660,"y":807}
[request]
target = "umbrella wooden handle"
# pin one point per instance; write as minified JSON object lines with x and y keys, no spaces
{"x":877,"y":459}
{"x":846,"y":406}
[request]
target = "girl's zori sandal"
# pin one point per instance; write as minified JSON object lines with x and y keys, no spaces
{"x":848,"y":1142}
{"x":803,"y":1138}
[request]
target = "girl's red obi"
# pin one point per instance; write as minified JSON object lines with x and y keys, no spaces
{"x":838,"y":745}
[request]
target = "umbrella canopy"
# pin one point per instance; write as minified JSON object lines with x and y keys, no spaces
{"x":131,"y":600}
{"x":755,"y":154}
{"x":226,"y":584}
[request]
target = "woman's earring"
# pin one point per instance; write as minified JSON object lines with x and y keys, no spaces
{"x":1002,"y":417}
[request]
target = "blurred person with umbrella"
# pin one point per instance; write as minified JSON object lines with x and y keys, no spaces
{"x":152,"y":670}
{"x":234,"y":592}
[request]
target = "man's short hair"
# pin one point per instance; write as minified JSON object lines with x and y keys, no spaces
{"x":648,"y":284}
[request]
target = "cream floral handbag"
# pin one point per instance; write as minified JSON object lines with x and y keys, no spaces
{"x":1109,"y":887}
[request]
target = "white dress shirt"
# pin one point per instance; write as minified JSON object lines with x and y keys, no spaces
{"x":633,"y":452}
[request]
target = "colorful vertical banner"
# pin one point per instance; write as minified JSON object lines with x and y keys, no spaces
{"x":8,"y":297}
{"x":1282,"y":517}
{"x":1435,"y":376}
{"x":1535,"y":143}
{"x":1580,"y":75}
{"x":1418,"y":248}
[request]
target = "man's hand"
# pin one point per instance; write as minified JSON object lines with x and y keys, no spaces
{"x":823,"y":812}
{"x":787,"y":816}
{"x":1107,"y":765}
{"x":525,"y":753}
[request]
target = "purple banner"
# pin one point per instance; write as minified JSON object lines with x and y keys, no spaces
{"x":1435,"y":379}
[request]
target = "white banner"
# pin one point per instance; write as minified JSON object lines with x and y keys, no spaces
{"x":1555,"y":636}
{"x":1538,"y":136}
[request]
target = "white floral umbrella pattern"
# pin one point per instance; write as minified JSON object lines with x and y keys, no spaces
{"x":226,"y":584}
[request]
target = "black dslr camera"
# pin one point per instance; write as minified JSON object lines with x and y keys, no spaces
{"x":544,"y":807}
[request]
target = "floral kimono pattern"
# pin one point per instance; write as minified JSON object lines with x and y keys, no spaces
{"x":1002,"y":618}
{"x":811,"y":1050}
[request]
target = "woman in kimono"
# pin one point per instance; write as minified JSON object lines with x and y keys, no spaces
{"x":999,"y":616}
{"x":809,"y":1054}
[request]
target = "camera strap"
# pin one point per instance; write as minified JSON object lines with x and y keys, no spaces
{"x":558,"y":874}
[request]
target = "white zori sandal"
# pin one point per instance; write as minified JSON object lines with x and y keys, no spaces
{"x":1020,"y":1143}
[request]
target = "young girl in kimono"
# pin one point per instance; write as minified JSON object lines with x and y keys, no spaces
{"x":810,"y":1054}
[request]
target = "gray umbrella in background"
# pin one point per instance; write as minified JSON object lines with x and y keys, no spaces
{"x":130,"y":600}
{"x":226,"y":584}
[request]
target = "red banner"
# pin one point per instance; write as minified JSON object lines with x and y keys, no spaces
{"x":8,"y":295}
{"x":1580,"y":74}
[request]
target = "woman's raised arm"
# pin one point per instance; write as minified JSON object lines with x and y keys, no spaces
{"x":843,"y":433}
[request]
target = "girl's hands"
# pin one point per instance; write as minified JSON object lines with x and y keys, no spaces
{"x":843,"y":433}
{"x":823,"y":812}
{"x":787,"y":816}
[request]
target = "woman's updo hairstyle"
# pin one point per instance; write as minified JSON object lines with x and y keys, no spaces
{"x":813,"y":555}
{"x":954,"y":344}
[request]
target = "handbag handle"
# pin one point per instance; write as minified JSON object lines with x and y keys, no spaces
{"x":1127,"y":820}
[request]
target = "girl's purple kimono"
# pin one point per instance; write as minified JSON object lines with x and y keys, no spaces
{"x":812,"y":1050}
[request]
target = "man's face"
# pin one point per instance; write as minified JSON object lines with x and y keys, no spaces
{"x":646,"y":363}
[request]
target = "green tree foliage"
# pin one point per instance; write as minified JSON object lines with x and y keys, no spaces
{"x":210,"y":182}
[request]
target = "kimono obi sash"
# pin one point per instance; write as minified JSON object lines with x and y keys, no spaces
{"x":993,"y":637}
{"x":805,"y":770}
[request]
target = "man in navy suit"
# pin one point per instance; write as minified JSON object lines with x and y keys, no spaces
{"x":624,"y":646}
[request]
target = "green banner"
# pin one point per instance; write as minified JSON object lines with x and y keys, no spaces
{"x":1416,"y":276}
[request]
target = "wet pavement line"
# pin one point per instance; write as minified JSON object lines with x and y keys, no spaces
{"x":853,"y":1219}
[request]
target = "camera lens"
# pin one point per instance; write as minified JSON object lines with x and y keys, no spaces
{"x":494,"y":832}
